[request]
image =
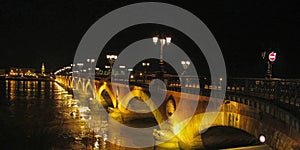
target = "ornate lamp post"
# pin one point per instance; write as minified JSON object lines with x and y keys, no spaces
{"x":185,"y":65}
{"x":80,"y":66}
{"x":163,"y":42}
{"x":90,"y":69}
{"x":90,"y":61}
{"x":111,"y":59}
{"x":144,"y":64}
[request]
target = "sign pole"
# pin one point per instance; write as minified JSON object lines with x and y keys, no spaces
{"x":272,"y":58}
{"x":269,"y":70}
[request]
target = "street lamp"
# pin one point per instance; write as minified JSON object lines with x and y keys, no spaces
{"x":111,"y":59}
{"x":221,"y":79}
{"x":185,"y":64}
{"x":91,"y":65}
{"x":145,"y":64}
{"x":91,"y":61}
{"x":80,"y":66}
{"x":122,"y":69}
{"x":163,"y":42}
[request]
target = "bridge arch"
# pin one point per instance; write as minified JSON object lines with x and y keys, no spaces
{"x":141,"y":95}
{"x":79,"y":84}
{"x":170,"y":106}
{"x":189,"y":133}
{"x":227,"y":137}
{"x":70,"y":82}
{"x":88,"y":86}
{"x":105,"y":95}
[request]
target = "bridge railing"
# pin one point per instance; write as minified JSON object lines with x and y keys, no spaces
{"x":282,"y":92}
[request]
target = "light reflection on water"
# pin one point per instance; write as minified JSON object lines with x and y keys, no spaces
{"x":40,"y":114}
{"x":43,"y":115}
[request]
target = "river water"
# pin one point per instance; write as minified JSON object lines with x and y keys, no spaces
{"x":43,"y":115}
{"x":37,"y":115}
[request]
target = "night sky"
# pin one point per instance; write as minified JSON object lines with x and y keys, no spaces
{"x":33,"y":32}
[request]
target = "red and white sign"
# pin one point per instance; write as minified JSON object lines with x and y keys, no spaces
{"x":272,"y":56}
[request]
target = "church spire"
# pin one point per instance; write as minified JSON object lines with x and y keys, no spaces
{"x":43,"y":68}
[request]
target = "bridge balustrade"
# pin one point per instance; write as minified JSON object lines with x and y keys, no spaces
{"x":282,"y":92}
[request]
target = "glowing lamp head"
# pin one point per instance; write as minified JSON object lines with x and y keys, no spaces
{"x":188,"y":62}
{"x":155,"y":39}
{"x":168,"y":39}
{"x":262,"y":138}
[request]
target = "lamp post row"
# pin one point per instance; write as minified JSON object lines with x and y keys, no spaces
{"x":112,"y":58}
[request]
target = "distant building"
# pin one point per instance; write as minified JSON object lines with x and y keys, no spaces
{"x":22,"y":72}
{"x":2,"y":72}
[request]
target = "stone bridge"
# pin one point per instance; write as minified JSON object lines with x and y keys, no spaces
{"x":256,"y":106}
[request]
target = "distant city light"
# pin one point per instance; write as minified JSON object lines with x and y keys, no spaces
{"x":122,"y":67}
{"x":80,"y":64}
{"x":145,"y":64}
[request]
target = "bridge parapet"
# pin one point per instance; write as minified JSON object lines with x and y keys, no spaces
{"x":281,"y":92}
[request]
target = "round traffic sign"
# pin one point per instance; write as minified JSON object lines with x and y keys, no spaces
{"x":272,"y":56}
